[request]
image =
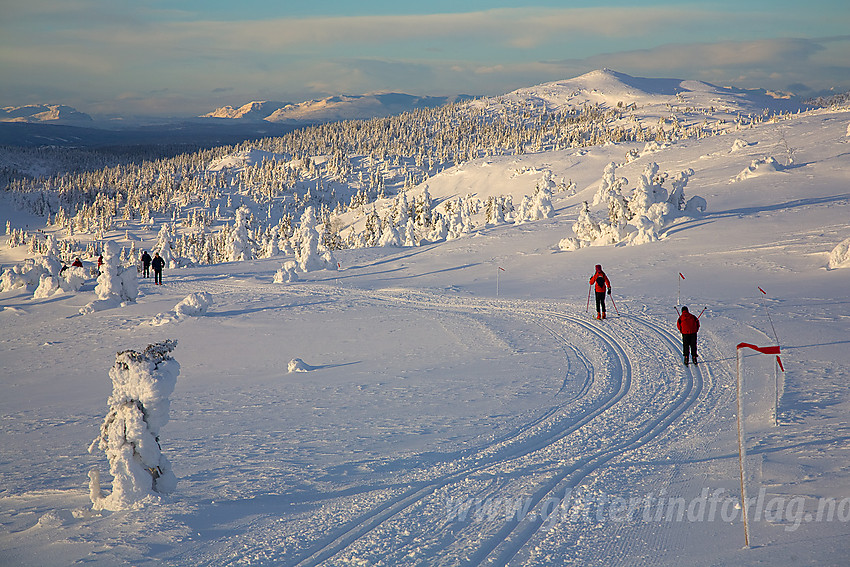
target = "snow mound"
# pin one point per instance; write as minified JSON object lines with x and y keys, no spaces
{"x":759,"y":167}
{"x":840,"y":256}
{"x":298,"y":365}
{"x":194,"y":305}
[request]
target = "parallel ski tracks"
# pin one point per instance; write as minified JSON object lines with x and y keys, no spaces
{"x":505,"y":544}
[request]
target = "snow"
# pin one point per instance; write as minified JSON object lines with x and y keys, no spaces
{"x":440,"y":423}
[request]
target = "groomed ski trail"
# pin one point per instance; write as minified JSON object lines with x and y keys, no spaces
{"x":507,"y":543}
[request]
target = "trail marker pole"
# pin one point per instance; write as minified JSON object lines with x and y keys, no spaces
{"x":498,"y":273}
{"x":742,"y":449}
{"x":776,"y":367}
{"x":679,"y":293}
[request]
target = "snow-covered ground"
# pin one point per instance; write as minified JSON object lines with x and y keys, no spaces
{"x":432,"y":421}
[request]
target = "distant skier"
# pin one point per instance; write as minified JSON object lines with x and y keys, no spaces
{"x":146,"y":264}
{"x":601,"y":285}
{"x":157,"y":264}
{"x":688,"y":325}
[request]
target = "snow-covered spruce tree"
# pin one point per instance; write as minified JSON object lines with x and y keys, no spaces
{"x":240,"y":247}
{"x":165,"y":246}
{"x":390,"y":235}
{"x":138,"y":409}
{"x":310,"y":253}
{"x":536,"y":207}
{"x":116,"y":284}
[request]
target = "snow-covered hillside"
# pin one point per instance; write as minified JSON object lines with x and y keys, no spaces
{"x":452,"y":401}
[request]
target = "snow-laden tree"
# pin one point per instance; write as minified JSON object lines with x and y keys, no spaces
{"x":390,"y":235}
{"x":536,"y":207}
{"x":410,"y":233}
{"x":165,"y":246}
{"x":310,"y":253}
{"x":586,"y":227}
{"x":116,"y":284}
{"x":639,"y":218}
{"x":240,"y":246}
{"x":611,"y":186}
{"x":130,"y":434}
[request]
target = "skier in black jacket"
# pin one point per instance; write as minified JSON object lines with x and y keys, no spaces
{"x":157,"y":264}
{"x":146,"y":264}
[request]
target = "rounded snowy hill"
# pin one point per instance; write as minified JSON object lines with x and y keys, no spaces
{"x":610,"y":89}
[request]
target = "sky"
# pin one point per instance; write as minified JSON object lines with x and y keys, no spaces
{"x":186,"y":58}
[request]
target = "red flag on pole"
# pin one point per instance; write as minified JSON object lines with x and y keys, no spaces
{"x":681,"y":276}
{"x":763,"y":350}
{"x":761,"y":290}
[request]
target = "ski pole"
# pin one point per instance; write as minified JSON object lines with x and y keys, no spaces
{"x":617,"y":311}
{"x":589,"y":291}
{"x":701,"y":312}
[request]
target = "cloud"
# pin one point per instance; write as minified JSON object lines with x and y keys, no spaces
{"x":117,"y":47}
{"x":768,"y":63}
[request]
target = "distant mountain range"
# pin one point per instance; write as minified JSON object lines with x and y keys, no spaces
{"x":44,"y":113}
{"x":332,"y":109}
{"x":53,"y":124}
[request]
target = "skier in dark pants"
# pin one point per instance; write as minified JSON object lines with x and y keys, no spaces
{"x":688,"y":325}
{"x":601,"y":284}
{"x":158,"y":264}
{"x":146,"y":264}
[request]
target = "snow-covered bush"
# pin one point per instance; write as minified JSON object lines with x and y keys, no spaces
{"x":840,"y":256}
{"x":138,"y":409}
{"x":41,"y":272}
{"x":194,"y":305}
{"x":287,"y":273}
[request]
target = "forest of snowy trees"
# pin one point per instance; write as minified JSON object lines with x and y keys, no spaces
{"x":252,"y":200}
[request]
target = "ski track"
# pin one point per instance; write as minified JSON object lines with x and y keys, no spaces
{"x":510,"y":541}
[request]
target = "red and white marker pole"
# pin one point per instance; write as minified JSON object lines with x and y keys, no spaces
{"x":742,"y":449}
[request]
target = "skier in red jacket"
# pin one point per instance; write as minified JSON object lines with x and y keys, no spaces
{"x":601,"y":284}
{"x":688,"y":325}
